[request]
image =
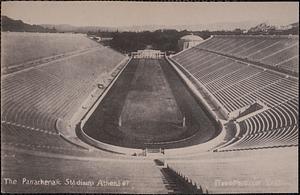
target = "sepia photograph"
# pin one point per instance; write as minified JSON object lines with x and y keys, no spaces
{"x":141,"y":97}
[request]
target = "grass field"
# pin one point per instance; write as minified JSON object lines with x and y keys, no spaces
{"x":150,"y":111}
{"x":145,"y":108}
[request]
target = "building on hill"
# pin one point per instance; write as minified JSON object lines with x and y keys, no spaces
{"x":188,"y":41}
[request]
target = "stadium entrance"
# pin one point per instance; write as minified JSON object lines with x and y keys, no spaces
{"x":148,"y":53}
{"x":154,"y":152}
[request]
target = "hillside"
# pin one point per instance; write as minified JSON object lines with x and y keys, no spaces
{"x":265,"y":28}
{"x":8,"y":24}
{"x":78,"y":29}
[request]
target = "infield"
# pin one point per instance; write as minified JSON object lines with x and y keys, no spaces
{"x":149,"y":106}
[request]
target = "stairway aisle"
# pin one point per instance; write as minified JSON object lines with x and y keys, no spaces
{"x":172,"y":182}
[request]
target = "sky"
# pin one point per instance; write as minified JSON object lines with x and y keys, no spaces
{"x":114,"y":14}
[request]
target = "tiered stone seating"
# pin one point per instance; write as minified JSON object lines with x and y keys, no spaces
{"x":292,"y":63}
{"x":34,"y":99}
{"x":278,"y":45}
{"x":247,"y":171}
{"x":109,"y":175}
{"x":260,"y":44}
{"x":38,"y":96}
{"x":240,"y":94}
{"x":25,"y":137}
{"x":281,"y":56}
{"x":24,"y":95}
{"x":21,"y":47}
{"x":200,"y":60}
{"x":219,"y":72}
{"x":276,"y":93}
{"x":270,"y":50}
{"x":274,"y":127}
{"x":242,"y":72}
{"x":236,"y":84}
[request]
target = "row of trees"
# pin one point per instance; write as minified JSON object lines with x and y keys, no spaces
{"x":167,"y":40}
{"x":164,"y":40}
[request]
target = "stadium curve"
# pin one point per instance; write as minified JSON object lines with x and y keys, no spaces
{"x":190,"y":135}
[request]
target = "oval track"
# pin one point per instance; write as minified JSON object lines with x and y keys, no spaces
{"x":150,"y":106}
